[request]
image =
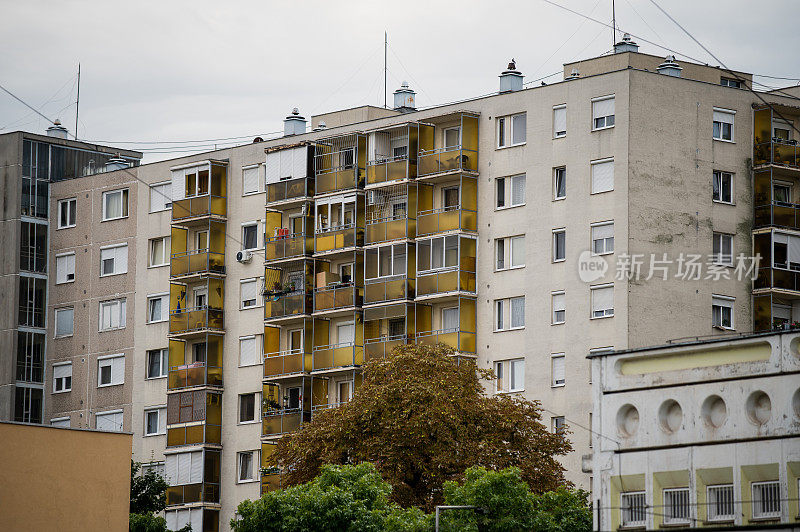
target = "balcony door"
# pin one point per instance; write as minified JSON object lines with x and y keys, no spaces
{"x":295,"y":338}
{"x":200,"y":297}
{"x":345,"y":391}
{"x":293,"y":397}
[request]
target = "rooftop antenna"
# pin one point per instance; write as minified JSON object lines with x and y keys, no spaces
{"x":78,"y":102}
{"x":613,"y":23}
{"x":385,"y":69}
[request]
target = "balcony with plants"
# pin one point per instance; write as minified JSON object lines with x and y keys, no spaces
{"x":197,"y":251}
{"x":196,"y":308}
{"x":288,"y":289}
{"x":285,"y":407}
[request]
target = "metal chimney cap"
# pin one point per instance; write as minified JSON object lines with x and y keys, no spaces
{"x":295,"y":111}
{"x":57,"y":122}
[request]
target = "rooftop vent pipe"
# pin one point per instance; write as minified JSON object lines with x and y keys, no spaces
{"x":404,"y":99}
{"x":511,"y":78}
{"x":321,"y":126}
{"x":116,"y":163}
{"x":573,"y":75}
{"x":294,"y":124}
{"x":626,"y":45}
{"x":57,"y":130}
{"x":670,"y":67}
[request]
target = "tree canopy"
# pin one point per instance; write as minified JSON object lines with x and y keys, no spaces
{"x":148,"y":497}
{"x":423,"y":419}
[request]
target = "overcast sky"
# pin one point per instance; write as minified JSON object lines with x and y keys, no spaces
{"x":172,"y":71}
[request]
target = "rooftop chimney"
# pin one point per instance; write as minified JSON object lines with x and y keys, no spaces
{"x":116,"y":163}
{"x":573,"y":75}
{"x":321,"y":126}
{"x":511,"y":79}
{"x":670,"y":67}
{"x":57,"y":130}
{"x":294,"y":124}
{"x":404,"y":99}
{"x":626,"y":45}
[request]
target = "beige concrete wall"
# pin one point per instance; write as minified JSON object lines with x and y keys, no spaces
{"x":64,"y":479}
{"x":352,"y":116}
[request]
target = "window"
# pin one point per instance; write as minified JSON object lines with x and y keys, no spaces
{"x":728,"y":82}
{"x":452,"y":138}
{"x":249,"y":180}
{"x":557,"y":424}
{"x":633,"y":509}
{"x":248,"y":351}
{"x":156,"y":467}
{"x":157,"y":363}
{"x":720,"y":503}
{"x":62,"y":422}
{"x":62,"y":377}
{"x":676,"y":505}
{"x":511,"y":130}
{"x":249,"y":289}
{"x":384,"y":261}
{"x":112,"y":314}
{"x":558,"y":370}
{"x":602,"y":112}
{"x":559,"y":308}
{"x":157,"y":308}
{"x":782,"y":192}
{"x":559,"y":183}
{"x":247,"y":408}
{"x":510,"y":191}
{"x":723,"y":187}
{"x":115,"y":204}
{"x":723,"y":249}
{"x":66,"y":213}
{"x":450,"y":319}
{"x":33,"y":247}
{"x":32,"y":301}
{"x":65,"y":268}
{"x":344,"y":391}
{"x":247,"y":471}
{"x":509,"y":313}
{"x":510,"y":252}
{"x":766,"y":500}
{"x":159,"y":251}
{"x":510,"y":375}
{"x":160,"y":197}
{"x":181,"y":469}
{"x":437,"y":253}
{"x":114,"y":260}
{"x":723,"y":124}
{"x":155,"y":421}
{"x":782,"y":129}
{"x":110,"y":370}
{"x":65,"y":321}
{"x":602,"y":301}
{"x":250,"y":236}
{"x":602,"y":176}
{"x":559,"y":245}
{"x":28,"y":403}
{"x":603,"y":238}
{"x":109,"y":421}
{"x":722,"y":312}
{"x":559,"y":121}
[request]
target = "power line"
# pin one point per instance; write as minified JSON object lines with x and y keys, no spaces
{"x":25,"y":104}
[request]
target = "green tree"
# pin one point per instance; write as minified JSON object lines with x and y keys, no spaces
{"x":341,"y":498}
{"x":423,"y":419}
{"x":148,"y":497}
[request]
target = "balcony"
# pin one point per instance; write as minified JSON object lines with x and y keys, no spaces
{"x":194,"y":435}
{"x":191,"y":493}
{"x":290,"y":189}
{"x":339,"y":179}
{"x":443,"y":282}
{"x":777,"y":279}
{"x":286,"y":304}
{"x":194,"y":320}
{"x":278,"y":422}
{"x":446,"y":160}
{"x":378,"y":348}
{"x":329,"y":357}
{"x":197,"y":374}
{"x":196,"y":262}
{"x":337,"y":296}
{"x":390,"y":228}
{"x":778,"y":214}
{"x":286,"y":363}
{"x":461,"y":341}
{"x":288,"y":247}
{"x":388,"y":289}
{"x":388,"y":170}
{"x":199,"y":207}
{"x":777,"y":152}
{"x":340,"y":237}
{"x":270,"y":481}
{"x":446,"y":219}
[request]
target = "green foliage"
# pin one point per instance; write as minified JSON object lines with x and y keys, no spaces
{"x":422,"y":420}
{"x":563,"y":510}
{"x":148,"y":491}
{"x":151,"y":523}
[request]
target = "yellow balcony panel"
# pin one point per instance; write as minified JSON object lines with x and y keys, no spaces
{"x":197,"y":262}
{"x":778,"y":214}
{"x":199,"y":207}
{"x":330,"y":357}
{"x":777,"y":152}
{"x":287,"y":247}
{"x":336,"y":297}
{"x":388,"y":289}
{"x":290,"y":189}
{"x":387,"y":229}
{"x":446,"y":160}
{"x":444,"y":282}
{"x":446,"y":219}
{"x":461,"y":341}
{"x":777,"y":279}
{"x":388,"y":170}
{"x":339,"y":238}
{"x":194,"y":320}
{"x":289,"y":362}
{"x":197,"y":374}
{"x":192,"y":493}
{"x":277,"y":422}
{"x":339,"y":180}
{"x":197,"y":434}
{"x":378,"y":348}
{"x":270,"y":482}
{"x":285,"y":305}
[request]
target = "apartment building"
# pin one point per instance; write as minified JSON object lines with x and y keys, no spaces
{"x":699,"y":433}
{"x":525,"y":229}
{"x":29,"y":165}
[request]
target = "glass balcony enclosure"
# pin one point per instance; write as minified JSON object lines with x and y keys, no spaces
{"x":387,"y":327}
{"x":287,"y":350}
{"x":285,"y":406}
{"x":339,"y":222}
{"x":288,"y":289}
{"x":184,"y":409}
{"x":288,"y":173}
{"x":340,"y":163}
{"x":450,"y":206}
{"x":196,"y":307}
{"x":198,"y":250}
{"x":199,"y":191}
{"x":339,"y":285}
{"x":197,"y":492}
{"x":446,"y":264}
{"x":288,"y":234}
{"x":775,"y":141}
{"x":452,"y":323}
{"x":393,"y":154}
{"x":338,"y":343}
{"x":391,"y":213}
{"x":195,"y":363}
{"x":449,"y":145}
{"x":390,"y":273}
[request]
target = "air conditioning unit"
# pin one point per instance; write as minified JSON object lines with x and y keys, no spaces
{"x":244,"y":256}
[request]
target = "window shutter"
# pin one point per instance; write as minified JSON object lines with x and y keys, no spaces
{"x":602,"y":176}
{"x":184,"y":468}
{"x":171,"y":469}
{"x":603,"y":298}
{"x":250,"y":180}
{"x":118,"y":370}
{"x":518,"y":190}
{"x":62,"y":370}
{"x":602,"y":231}
{"x":780,"y":238}
{"x":517,"y":311}
{"x":196,"y":518}
{"x":518,"y":251}
{"x":346,"y":333}
{"x":248,"y":290}
{"x":273,"y":167}
{"x":178,"y":185}
{"x":449,"y":318}
{"x":558,"y":370}
{"x":519,"y":128}
{"x":159,"y":197}
{"x":121,"y":259}
{"x":196,"y":475}
{"x":248,"y":350}
{"x":794,"y":249}
{"x":183,"y":519}
{"x":559,"y":302}
{"x":286,"y":163}
{"x":517,"y":374}
{"x":559,"y":119}
{"x":299,"y":162}
{"x":602,"y":108}
{"x":162,"y":420}
{"x":722,"y":116}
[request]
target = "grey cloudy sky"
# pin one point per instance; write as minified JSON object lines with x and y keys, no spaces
{"x":176,"y":71}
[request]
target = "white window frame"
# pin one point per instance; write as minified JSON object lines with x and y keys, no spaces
{"x":592,"y":165}
{"x":554,"y":424}
{"x":608,"y":247}
{"x":557,"y":231}
{"x":428,"y":268}
{"x":254,"y":461}
{"x":504,"y":314}
{"x":249,"y":167}
{"x":64,"y":277}
{"x":732,"y":113}
{"x":554,"y":308}
{"x":71,"y":205}
{"x":124,"y":207}
{"x":160,"y":188}
{"x":256,"y":409}
{"x":670,"y":519}
{"x":559,"y":134}
{"x":110,"y":413}
{"x":720,"y":257}
{"x":255,"y":304}
{"x":728,"y":502}
{"x":775,"y":484}
{"x":166,"y":243}
{"x":117,"y":263}
{"x":398,"y":262}
{"x":508,"y":244}
{"x":556,"y":171}
{"x":122,"y":305}
{"x":717,"y":176}
{"x":116,"y":379}
{"x":607,"y":313}
{"x":55,"y":324}
{"x":721,"y":301}
{"x":510,"y":367}
{"x":606,"y":118}
{"x":64,"y":387}
{"x":163,"y":355}
{"x":164,"y":307}
{"x":161,"y":411}
{"x":639,"y":511}
{"x":248,"y":225}
{"x":59,"y":422}
{"x":508,"y":191}
{"x":506,"y":124}
{"x":554,"y":383}
{"x":257,"y":342}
